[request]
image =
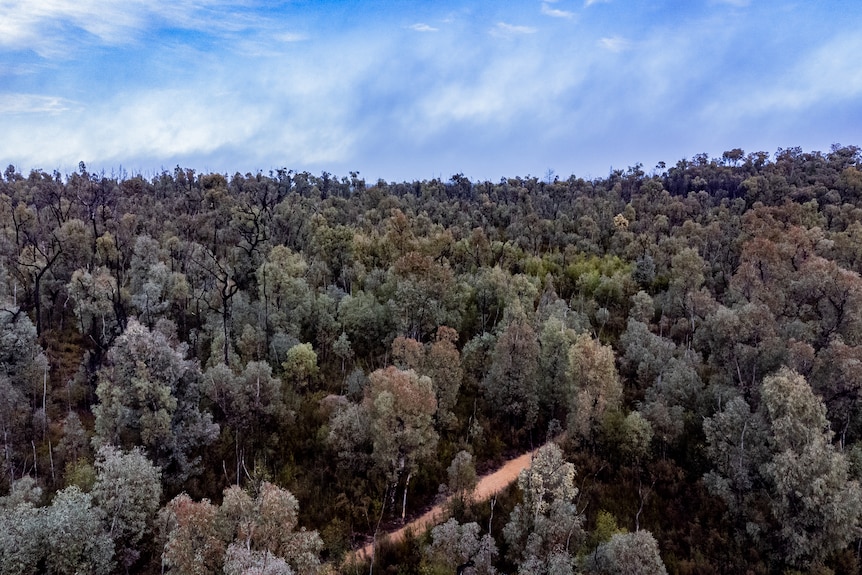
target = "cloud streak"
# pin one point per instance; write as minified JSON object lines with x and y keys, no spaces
{"x":615,"y":44}
{"x":421,"y":27}
{"x":547,"y":10}
{"x":504,"y":30}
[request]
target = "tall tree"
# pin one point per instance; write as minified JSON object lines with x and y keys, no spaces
{"x":597,"y":386}
{"x":401,"y":407}
{"x":511,"y":384}
{"x":816,"y":506}
{"x":546,"y":528}
{"x":149,"y":396}
{"x":127,"y":490}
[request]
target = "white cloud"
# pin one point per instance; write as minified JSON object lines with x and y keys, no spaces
{"x":421,"y":27}
{"x":290,"y":37}
{"x":554,"y":12}
{"x":588,"y":3}
{"x":505,"y":30}
{"x":51,"y":27}
{"x":615,"y":44}
{"x":827,"y":74}
{"x":33,"y":104}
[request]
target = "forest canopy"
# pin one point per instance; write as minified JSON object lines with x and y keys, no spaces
{"x":211,"y":373}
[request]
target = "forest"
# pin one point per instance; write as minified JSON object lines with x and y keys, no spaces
{"x":255,"y":374}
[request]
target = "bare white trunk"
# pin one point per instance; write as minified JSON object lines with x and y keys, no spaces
{"x":404,"y":500}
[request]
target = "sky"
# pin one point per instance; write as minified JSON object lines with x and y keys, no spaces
{"x":406,"y":90}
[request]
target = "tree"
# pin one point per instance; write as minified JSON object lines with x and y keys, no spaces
{"x":300,"y":365}
{"x":546,"y":527}
{"x":23,"y":377}
{"x":127,"y":490}
{"x":425,"y":296}
{"x":286,"y":296}
{"x":75,"y":540}
{"x":460,"y":548}
{"x":736,"y":445}
{"x":148,"y":396}
{"x":401,"y":406}
{"x":95,"y":296}
{"x":816,"y":506}
{"x":195,"y":538}
{"x":462,"y":476}
{"x":245,"y":533}
{"x":597,"y":386}
{"x":443,"y":365}
{"x":22,"y":529}
{"x":249,"y":402}
{"x":555,"y":340}
{"x":511,"y":385}
{"x":627,"y":554}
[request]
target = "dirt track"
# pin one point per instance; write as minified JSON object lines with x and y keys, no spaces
{"x":487,"y":486}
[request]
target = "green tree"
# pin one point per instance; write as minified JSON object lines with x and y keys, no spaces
{"x":148,"y":396}
{"x":597,"y":386}
{"x":401,"y":407}
{"x":127,"y":491}
{"x":627,"y":554}
{"x":546,"y":528}
{"x":442,"y":364}
{"x":250,"y":403}
{"x":511,"y":384}
{"x":816,"y":506}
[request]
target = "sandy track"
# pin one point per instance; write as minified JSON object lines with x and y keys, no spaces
{"x":487,"y":487}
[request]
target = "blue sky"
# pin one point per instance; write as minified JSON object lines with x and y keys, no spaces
{"x":405,"y":90}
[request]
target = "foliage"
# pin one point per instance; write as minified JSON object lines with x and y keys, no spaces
{"x":696,"y":329}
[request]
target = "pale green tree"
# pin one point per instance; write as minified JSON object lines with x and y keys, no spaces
{"x":148,"y":396}
{"x":596,"y":383}
{"x":627,"y":554}
{"x":287,"y":298}
{"x":300,"y":365}
{"x":546,"y":528}
{"x":127,"y":490}
{"x":816,"y":506}
{"x":75,"y":539}
{"x":461,"y":548}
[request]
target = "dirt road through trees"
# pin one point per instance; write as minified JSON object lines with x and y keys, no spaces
{"x":487,"y":486}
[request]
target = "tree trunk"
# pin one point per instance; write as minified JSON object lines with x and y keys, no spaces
{"x":404,"y":500}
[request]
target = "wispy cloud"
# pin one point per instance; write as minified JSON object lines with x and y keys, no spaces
{"x":502,"y":29}
{"x":33,"y":104}
{"x":547,"y":10}
{"x":829,"y":74}
{"x":422,"y":27}
{"x":51,"y":27}
{"x":291,"y":37}
{"x":589,"y":3}
{"x":615,"y":44}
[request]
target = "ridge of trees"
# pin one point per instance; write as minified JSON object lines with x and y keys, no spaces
{"x":252,"y":373}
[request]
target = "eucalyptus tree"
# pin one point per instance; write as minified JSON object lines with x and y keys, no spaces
{"x":247,"y":533}
{"x":401,"y":407}
{"x":545,"y":529}
{"x":149,"y":396}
